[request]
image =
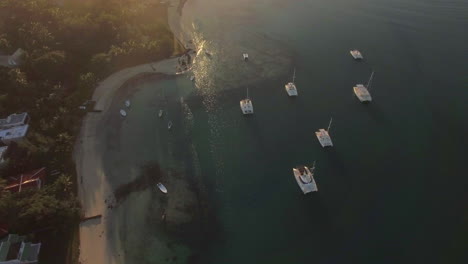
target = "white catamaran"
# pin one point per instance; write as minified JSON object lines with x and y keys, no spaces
{"x":362,"y":92}
{"x":246,"y":105}
{"x":356,"y":54}
{"x":291,"y":87}
{"x":305,"y":178}
{"x":323,"y":136}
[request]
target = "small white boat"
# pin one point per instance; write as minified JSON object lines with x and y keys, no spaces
{"x":246,"y":105}
{"x":161,"y":187}
{"x":192,"y":78}
{"x":323,"y":136}
{"x":161,"y":112}
{"x":291,"y":87}
{"x":246,"y":56}
{"x":305,"y":178}
{"x":127,"y":103}
{"x":356,"y":54}
{"x":123,"y":113}
{"x":362,"y":92}
{"x":169,"y":125}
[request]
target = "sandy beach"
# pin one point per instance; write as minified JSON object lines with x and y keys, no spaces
{"x":93,"y":185}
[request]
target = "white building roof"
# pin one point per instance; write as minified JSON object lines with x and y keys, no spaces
{"x":27,"y":253}
{"x":2,"y":152}
{"x":14,"y":120}
{"x":14,"y":132}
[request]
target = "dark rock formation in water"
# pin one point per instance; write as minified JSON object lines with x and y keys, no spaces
{"x":183,"y":213}
{"x":151,"y":174}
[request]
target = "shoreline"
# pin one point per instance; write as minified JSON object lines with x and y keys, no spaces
{"x":93,"y":186}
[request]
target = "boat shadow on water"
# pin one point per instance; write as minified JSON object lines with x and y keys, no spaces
{"x":338,"y":167}
{"x":316,"y":212}
{"x":257,"y":132}
{"x":376,"y":113}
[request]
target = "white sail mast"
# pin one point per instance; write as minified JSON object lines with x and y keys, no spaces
{"x":329,"y":125}
{"x":294,"y":75}
{"x":369,"y":83}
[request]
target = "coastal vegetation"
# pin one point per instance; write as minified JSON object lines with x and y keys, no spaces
{"x":68,"y":48}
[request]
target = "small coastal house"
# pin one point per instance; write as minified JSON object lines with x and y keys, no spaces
{"x":32,"y":179}
{"x":13,"y":134}
{"x":13,"y":250}
{"x":14,"y":120}
{"x":3,"y":152}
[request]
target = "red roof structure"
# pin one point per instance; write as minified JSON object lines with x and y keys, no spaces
{"x":3,"y":230}
{"x":32,"y":179}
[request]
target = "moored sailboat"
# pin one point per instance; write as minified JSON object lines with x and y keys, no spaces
{"x":305,"y":178}
{"x":362,"y":92}
{"x":323,"y":136}
{"x":246,"y":105}
{"x":291,"y":87}
{"x":356,"y":54}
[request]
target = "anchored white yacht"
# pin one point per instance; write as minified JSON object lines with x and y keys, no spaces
{"x":362,"y":92}
{"x":127,"y":103}
{"x":291,"y":87}
{"x":356,"y":54}
{"x":169,"y":125}
{"x":123,"y":113}
{"x":323,"y":136}
{"x":192,"y":78}
{"x":161,"y":187}
{"x":246,"y":56}
{"x":161,"y":112}
{"x":246,"y":105}
{"x":305,"y":178}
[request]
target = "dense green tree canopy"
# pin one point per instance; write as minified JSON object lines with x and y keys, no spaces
{"x":68,"y":47}
{"x":52,"y":206}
